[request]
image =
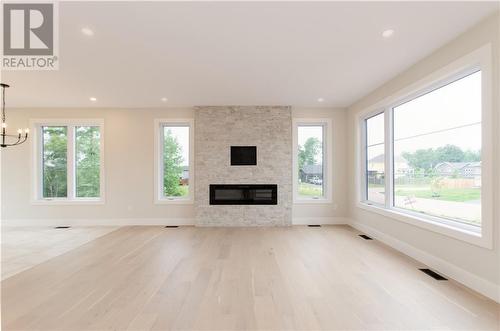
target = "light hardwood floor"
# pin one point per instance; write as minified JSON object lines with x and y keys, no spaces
{"x":25,"y":247}
{"x":297,"y":278}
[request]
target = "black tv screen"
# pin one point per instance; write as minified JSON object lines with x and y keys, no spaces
{"x":243,"y":155}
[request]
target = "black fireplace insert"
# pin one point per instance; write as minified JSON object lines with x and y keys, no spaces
{"x":243,"y":194}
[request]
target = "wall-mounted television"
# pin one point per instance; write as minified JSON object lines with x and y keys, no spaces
{"x":243,"y":155}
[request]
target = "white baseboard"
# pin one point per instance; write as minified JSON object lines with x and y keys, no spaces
{"x":319,"y":220}
{"x":149,"y":221}
{"x":99,"y":222}
{"x":481,"y":285}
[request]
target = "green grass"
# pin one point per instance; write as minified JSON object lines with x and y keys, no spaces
{"x":457,"y":195}
{"x":310,"y":190}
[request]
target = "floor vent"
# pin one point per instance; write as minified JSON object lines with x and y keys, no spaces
{"x":432,"y":274}
{"x":62,"y":227}
{"x":314,"y":225}
{"x":171,"y":226}
{"x":365,"y":237}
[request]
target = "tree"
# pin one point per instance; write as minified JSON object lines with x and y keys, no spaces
{"x":421,"y":159}
{"x":449,"y":153}
{"x":172,"y":165}
{"x":472,"y":156}
{"x":309,"y":153}
{"x":87,"y":161}
{"x":427,"y":159}
{"x":55,"y":140}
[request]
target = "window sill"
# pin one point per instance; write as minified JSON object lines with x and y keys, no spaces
{"x":166,"y":201}
{"x":432,"y":224}
{"x":67,"y":202}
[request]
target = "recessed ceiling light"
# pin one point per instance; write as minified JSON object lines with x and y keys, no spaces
{"x":164,"y":99}
{"x":388,"y":33}
{"x":87,"y":31}
{"x":93,"y":99}
{"x":321,"y":99}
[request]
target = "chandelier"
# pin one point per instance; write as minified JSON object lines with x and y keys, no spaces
{"x":10,"y":139}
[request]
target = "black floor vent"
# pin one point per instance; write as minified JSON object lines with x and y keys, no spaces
{"x":314,"y":225}
{"x":433,"y":274}
{"x":172,"y":226}
{"x":62,"y":227}
{"x":365,"y":237}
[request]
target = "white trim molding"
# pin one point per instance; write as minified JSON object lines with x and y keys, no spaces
{"x":480,"y":59}
{"x":99,"y":222}
{"x":158,"y":157}
{"x":36,"y":179}
{"x":451,"y":229}
{"x":326,"y":123}
{"x":481,"y":285}
{"x":334,"y":220}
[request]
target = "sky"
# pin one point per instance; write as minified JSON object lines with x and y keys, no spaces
{"x":453,"y":110}
{"x":306,"y":132}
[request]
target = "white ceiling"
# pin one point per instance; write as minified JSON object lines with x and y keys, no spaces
{"x":236,"y":53}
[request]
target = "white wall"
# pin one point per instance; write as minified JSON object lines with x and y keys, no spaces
{"x":129,"y":172}
{"x":129,"y":167}
{"x":336,"y":211}
{"x":474,"y":266}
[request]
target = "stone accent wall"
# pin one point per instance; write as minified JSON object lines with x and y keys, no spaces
{"x":267,"y":127}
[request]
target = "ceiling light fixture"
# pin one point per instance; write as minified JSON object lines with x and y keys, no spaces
{"x":87,"y":31}
{"x":4,"y":136}
{"x":321,"y":99}
{"x":388,"y":33}
{"x":164,"y":99}
{"x":93,"y":99}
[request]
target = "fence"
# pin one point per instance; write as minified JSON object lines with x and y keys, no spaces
{"x":377,"y":178}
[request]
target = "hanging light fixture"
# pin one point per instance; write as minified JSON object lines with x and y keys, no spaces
{"x":10,"y":139}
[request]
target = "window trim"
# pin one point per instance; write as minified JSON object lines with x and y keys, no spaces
{"x":480,"y":59}
{"x":37,"y":162}
{"x":158,"y":157}
{"x":327,"y":158}
{"x":364,"y":160}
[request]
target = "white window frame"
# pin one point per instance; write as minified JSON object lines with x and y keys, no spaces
{"x":158,"y":164}
{"x":479,"y":59}
{"x":326,"y":123}
{"x":37,"y":162}
{"x":364,"y":161}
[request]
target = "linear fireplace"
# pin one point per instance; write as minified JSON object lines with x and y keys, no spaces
{"x":243,"y":194}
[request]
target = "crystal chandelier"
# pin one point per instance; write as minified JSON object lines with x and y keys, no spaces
{"x":10,"y":139}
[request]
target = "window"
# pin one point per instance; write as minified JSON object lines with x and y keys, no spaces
{"x":437,"y":163}
{"x":427,"y":156}
{"x":310,"y":161}
{"x":87,"y":161}
{"x":55,"y":161}
{"x":68,"y":161}
{"x":375,"y":159}
{"x":174,"y":161}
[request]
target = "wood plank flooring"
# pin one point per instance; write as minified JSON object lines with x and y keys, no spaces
{"x":23,"y":247}
{"x":187,"y":278}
